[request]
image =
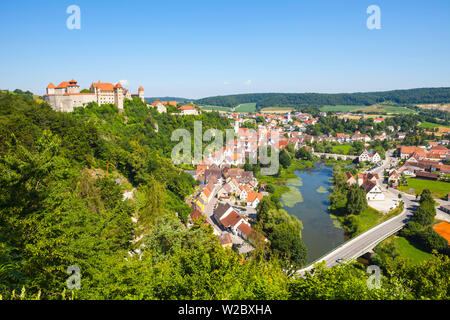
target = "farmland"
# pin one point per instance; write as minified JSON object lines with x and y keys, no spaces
{"x":246,"y":107}
{"x":276,"y":110}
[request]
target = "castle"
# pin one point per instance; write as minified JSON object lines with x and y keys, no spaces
{"x":67,"y":95}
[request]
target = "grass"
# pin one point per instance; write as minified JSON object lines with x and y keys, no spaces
{"x":376,"y":108}
{"x":341,"y":149}
{"x":409,"y":251}
{"x":340,"y":108}
{"x":429,"y":125}
{"x":246,"y":107}
{"x":439,"y":189}
{"x":405,"y":249}
{"x":216,"y":108}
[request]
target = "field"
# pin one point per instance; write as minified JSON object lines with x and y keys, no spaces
{"x":380,"y":108}
{"x":276,"y":110}
{"x":216,"y":108}
{"x":340,"y":108}
{"x":429,"y":125}
{"x":341,"y":149}
{"x":439,"y":189}
{"x":443,"y":107}
{"x":246,"y":107}
{"x":373,"y":109}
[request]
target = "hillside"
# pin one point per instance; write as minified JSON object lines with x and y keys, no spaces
{"x":263,"y":100}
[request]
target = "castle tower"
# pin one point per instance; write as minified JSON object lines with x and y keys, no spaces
{"x":141,"y":93}
{"x":118,"y":96}
{"x":51,"y":88}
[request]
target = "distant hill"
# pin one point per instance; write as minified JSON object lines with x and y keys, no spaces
{"x":153,"y":99}
{"x":263,"y":100}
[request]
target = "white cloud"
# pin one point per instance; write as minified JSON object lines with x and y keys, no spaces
{"x":248,"y":82}
{"x":226,"y":83}
{"x":124,"y":82}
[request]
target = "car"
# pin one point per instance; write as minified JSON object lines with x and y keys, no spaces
{"x":340,"y":260}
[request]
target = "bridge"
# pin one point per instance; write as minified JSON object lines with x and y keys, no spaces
{"x":366,"y":241}
{"x":334,"y":156}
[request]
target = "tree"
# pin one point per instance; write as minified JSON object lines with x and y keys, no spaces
{"x":285,"y":159}
{"x":286,"y":241}
{"x":356,"y":200}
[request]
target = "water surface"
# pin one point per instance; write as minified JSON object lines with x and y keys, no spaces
{"x":321,"y":233}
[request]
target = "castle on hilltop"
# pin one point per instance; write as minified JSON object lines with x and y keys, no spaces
{"x":67,"y":95}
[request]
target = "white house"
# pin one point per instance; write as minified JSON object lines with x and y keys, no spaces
{"x":188,"y":110}
{"x":369,"y":156}
{"x":373,"y":191}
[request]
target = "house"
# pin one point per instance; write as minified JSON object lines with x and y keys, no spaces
{"x":225,"y":240}
{"x":369,"y":156}
{"x":207,"y":193}
{"x":350,"y":178}
{"x":405,"y":151}
{"x":188,"y":110}
{"x":427,"y":175}
{"x":378,"y":120}
{"x":393,"y":178}
{"x":225,"y":191}
{"x":373,"y":191}
{"x":244,"y":191}
{"x":253,"y":199}
{"x":159,"y":107}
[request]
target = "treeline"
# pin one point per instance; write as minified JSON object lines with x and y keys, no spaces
{"x":410,"y":96}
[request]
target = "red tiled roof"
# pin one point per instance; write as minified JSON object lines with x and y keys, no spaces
{"x":141,"y":89}
{"x":186,"y":107}
{"x":253,"y":195}
{"x":51,"y":86}
{"x":103,"y":86}
{"x":245,"y":229}
{"x":231,"y":219}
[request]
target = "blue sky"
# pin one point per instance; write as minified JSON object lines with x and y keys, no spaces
{"x":203,"y":48}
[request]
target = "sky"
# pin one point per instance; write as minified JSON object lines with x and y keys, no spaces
{"x":195,"y":49}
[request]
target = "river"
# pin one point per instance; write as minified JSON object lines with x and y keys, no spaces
{"x":308,"y":199}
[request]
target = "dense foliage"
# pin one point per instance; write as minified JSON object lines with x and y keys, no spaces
{"x":411,"y":96}
{"x":58,"y":209}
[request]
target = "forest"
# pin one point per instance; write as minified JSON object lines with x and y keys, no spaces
{"x":58,"y":209}
{"x":301,"y":100}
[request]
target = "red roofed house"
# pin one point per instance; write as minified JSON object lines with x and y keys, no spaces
{"x":188,"y":110}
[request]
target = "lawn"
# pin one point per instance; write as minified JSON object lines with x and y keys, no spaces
{"x":368,"y":219}
{"x":341,"y":149}
{"x":439,"y":189}
{"x":409,"y":251}
{"x":246,"y":107}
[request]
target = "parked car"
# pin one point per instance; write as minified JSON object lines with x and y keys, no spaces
{"x":340,"y":260}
